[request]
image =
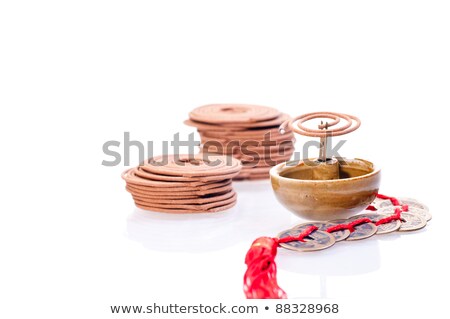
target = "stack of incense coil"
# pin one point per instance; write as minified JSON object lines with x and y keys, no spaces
{"x":247,"y":132}
{"x":198,"y":183}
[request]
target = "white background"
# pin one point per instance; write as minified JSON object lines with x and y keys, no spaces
{"x":75,"y":74}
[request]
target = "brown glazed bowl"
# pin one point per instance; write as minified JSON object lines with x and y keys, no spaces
{"x":352,"y":192}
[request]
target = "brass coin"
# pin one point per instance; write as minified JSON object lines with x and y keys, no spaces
{"x":410,"y":221}
{"x":362,"y":231}
{"x":377,"y":202}
{"x":317,"y":240}
{"x":383,"y":228}
{"x":414,"y":206}
{"x":338,"y":235}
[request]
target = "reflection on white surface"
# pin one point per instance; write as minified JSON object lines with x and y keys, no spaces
{"x":257,"y":214}
{"x":252,"y":217}
{"x":342,"y":259}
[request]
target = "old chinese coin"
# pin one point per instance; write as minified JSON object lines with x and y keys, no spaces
{"x":377,"y":202}
{"x":414,"y":207}
{"x":410,"y":221}
{"x":361,"y":231}
{"x":338,"y":235}
{"x":382,"y":228}
{"x":317,"y":240}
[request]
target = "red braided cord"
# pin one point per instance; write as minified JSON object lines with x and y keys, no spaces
{"x":393,"y":200}
{"x":260,"y":279}
{"x":350,"y":226}
{"x":300,"y":236}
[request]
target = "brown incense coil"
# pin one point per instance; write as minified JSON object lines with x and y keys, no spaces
{"x":199,"y":183}
{"x":253,"y":145}
{"x":189,"y":207}
{"x":238,"y":126}
{"x":179,"y":194}
{"x":186,"y":211}
{"x":259,"y":135}
{"x":247,"y":132}
{"x":273,"y":133}
{"x":297,"y":124}
{"x":141,"y":172}
{"x":199,"y":200}
{"x":199,"y":165}
{"x":256,"y":170}
{"x":233,"y":113}
{"x":248,"y":176}
{"x":259,"y":163}
{"x":271,"y":157}
{"x":198,"y":191}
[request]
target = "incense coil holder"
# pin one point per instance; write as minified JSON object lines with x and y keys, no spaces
{"x":307,"y":191}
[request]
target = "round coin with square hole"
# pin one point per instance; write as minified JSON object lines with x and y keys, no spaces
{"x":338,"y":235}
{"x":414,"y":207}
{"x":317,"y":240}
{"x":410,"y":221}
{"x":377,"y":202}
{"x":361,"y":231}
{"x":382,"y":228}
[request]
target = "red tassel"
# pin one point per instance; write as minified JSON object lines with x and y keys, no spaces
{"x":260,"y":280}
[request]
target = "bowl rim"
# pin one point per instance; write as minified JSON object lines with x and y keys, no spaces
{"x":275,"y":174}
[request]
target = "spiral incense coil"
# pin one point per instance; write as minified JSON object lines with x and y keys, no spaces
{"x":233,"y":113}
{"x":211,"y":209}
{"x":177,"y":193}
{"x":325,"y":129}
{"x":198,"y":208}
{"x":183,"y":201}
{"x":200,"y":190}
{"x":242,"y":131}
{"x":239,"y":127}
{"x":199,"y":183}
{"x":191,"y":165}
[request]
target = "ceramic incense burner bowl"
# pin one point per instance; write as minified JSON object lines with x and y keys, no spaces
{"x":325,"y":190}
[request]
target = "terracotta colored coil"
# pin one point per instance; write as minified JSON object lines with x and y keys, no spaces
{"x":260,"y":163}
{"x":166,"y":196}
{"x":259,"y":149}
{"x":168,"y":178}
{"x":251,"y":176}
{"x":200,"y":189}
{"x":233,"y":113}
{"x":187,"y":211}
{"x":191,"y":207}
{"x":244,"y":141}
{"x":183,"y":183}
{"x":276,"y":122}
{"x":221,"y":126}
{"x":199,"y":200}
{"x":257,"y":134}
{"x":178,"y":194}
{"x":256,"y":170}
{"x":241,"y":139}
{"x":130,"y":177}
{"x":296,"y":124}
{"x":193,"y":165}
{"x":273,"y":157}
